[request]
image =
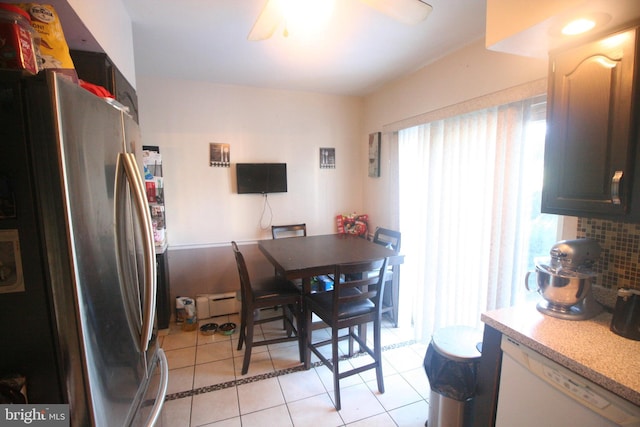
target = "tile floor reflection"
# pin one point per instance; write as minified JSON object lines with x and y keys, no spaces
{"x":207,"y":389}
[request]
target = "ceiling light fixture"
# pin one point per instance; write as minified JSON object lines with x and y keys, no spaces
{"x":578,"y":26}
{"x":305,"y":17}
{"x":300,"y":17}
{"x":281,"y":12}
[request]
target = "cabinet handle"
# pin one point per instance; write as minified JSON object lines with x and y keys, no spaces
{"x":615,"y":187}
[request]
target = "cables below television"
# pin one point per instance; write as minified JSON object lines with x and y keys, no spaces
{"x":264,"y":211}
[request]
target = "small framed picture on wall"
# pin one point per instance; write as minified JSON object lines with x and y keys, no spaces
{"x":219,"y":155}
{"x":327,"y":158}
{"x":374,"y":154}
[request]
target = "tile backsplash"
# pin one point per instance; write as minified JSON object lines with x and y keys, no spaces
{"x":619,"y":264}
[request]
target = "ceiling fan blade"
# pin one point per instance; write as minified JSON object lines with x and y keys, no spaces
{"x":406,"y":11}
{"x":267,"y":22}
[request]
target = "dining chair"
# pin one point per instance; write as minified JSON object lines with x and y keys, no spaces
{"x":267,"y":293}
{"x":354,"y":301}
{"x":291,"y":230}
{"x":390,"y":239}
{"x":286,"y":231}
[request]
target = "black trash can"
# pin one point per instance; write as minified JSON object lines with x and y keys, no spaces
{"x":451,"y":364}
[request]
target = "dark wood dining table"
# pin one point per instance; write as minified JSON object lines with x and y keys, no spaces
{"x":308,"y":256}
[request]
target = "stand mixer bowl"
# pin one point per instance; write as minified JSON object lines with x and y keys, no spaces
{"x":565,"y":278}
{"x":561,"y":288}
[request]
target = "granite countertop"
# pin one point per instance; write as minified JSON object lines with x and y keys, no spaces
{"x":585,"y":347}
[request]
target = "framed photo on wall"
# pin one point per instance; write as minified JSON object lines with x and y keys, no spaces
{"x":327,"y":158}
{"x":219,"y":155}
{"x":374,"y":154}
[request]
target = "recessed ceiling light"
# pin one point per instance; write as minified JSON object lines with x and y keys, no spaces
{"x":578,"y":26}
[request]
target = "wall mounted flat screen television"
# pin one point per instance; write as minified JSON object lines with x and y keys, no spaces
{"x":261,"y":178}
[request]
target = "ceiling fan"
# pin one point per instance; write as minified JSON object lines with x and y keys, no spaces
{"x":406,"y":11}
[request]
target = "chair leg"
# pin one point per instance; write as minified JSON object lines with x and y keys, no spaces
{"x":309,"y":335}
{"x":392,"y":301}
{"x":285,"y":325}
{"x":243,"y":326}
{"x":248,"y":345}
{"x":287,"y":319}
{"x":377,"y":351}
{"x":336,"y":371}
{"x":301,"y":330}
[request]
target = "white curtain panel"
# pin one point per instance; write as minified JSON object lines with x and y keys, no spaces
{"x":462,"y":217}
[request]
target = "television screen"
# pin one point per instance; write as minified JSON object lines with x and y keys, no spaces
{"x":261,"y":178}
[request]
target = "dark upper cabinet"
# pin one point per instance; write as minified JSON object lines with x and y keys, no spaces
{"x":592,"y":133}
{"x":97,"y":68}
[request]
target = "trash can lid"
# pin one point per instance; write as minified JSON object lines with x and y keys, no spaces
{"x":458,"y":343}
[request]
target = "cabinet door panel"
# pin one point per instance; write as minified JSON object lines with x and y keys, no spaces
{"x":587,"y":91}
{"x":126,"y":94}
{"x":590,"y":137}
{"x":97,"y":68}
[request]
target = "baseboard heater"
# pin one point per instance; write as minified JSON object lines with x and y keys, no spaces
{"x":212,"y":305}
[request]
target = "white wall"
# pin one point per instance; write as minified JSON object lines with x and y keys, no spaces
{"x":263,"y":125}
{"x":468,"y":73}
{"x":183,"y":117}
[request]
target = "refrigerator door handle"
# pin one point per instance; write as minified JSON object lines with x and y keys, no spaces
{"x":126,"y":263}
{"x":141,"y":208}
{"x":162,"y":390}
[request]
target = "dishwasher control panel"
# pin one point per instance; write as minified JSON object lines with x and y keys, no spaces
{"x":579,"y":391}
{"x":582,"y":390}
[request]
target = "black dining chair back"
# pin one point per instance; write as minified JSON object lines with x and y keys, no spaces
{"x":392,"y":240}
{"x":389,"y":238}
{"x":267,"y":293}
{"x":291,"y":230}
{"x":286,"y":231}
{"x":354,"y":301}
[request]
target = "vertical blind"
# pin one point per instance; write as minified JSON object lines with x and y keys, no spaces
{"x":465,"y":214}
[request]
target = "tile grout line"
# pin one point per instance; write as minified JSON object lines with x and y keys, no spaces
{"x":274,"y":374}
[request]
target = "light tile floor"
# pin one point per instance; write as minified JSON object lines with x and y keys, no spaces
{"x":207,"y":389}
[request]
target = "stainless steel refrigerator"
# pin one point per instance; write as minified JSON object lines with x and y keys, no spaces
{"x":77,"y":261}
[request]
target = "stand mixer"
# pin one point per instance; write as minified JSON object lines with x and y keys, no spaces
{"x":565,"y":279}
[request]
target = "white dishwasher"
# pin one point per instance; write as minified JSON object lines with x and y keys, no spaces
{"x":535,"y":391}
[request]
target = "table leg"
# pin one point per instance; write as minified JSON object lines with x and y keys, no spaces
{"x":362,"y":333}
{"x":307,"y":326}
{"x":362,"y":330}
